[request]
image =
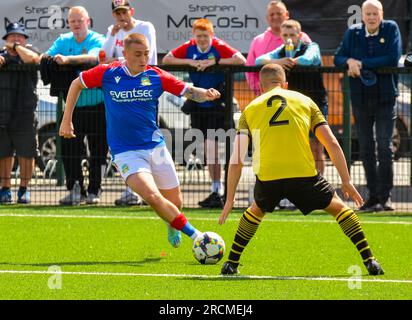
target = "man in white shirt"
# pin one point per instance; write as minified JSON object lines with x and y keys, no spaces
{"x":124,"y":25}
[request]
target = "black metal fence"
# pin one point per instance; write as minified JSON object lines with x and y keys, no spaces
{"x":47,"y":185}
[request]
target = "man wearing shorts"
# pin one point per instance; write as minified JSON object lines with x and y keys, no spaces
{"x":278,"y":122}
{"x":131,"y":91}
{"x":18,"y":102}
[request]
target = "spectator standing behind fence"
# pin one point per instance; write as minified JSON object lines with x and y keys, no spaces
{"x":79,"y":46}
{"x":373,"y":44}
{"x":124,"y":25}
{"x":18,"y":102}
{"x":202,"y":51}
{"x":294,"y":52}
{"x":269,"y":40}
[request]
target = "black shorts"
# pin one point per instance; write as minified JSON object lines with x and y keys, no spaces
{"x":208,"y":118}
{"x":307,"y":194}
{"x":19,"y":136}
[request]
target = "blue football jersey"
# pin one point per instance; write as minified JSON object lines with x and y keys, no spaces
{"x":131,"y":103}
{"x":218,"y":49}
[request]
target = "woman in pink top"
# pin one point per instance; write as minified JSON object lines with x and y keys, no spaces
{"x":269,"y":40}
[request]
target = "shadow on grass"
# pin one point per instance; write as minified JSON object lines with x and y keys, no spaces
{"x":87,"y":263}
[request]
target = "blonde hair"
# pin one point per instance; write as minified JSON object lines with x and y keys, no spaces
{"x":271,"y":74}
{"x":293,"y":24}
{"x":135,"y":38}
{"x":79,"y":9}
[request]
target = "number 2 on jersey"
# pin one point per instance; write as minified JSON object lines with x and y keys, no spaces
{"x":273,"y":121}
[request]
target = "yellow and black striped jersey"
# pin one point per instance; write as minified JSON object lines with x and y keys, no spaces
{"x":279,"y":122}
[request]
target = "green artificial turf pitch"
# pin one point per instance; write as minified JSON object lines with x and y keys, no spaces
{"x":122,"y":253}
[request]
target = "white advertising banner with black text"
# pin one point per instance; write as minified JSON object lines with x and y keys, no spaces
{"x":235,"y":21}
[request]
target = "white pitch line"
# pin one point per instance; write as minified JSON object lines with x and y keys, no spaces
{"x":202,"y":276}
{"x":67,"y":216}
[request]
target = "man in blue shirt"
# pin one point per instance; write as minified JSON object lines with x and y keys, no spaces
{"x":79,"y":46}
{"x":131,"y":91}
{"x":373,"y":44}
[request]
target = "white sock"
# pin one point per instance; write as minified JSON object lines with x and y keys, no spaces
{"x":216,"y":186}
{"x":129,"y":190}
{"x":195,"y":235}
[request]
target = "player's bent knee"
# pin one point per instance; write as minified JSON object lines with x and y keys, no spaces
{"x":174,"y":196}
{"x":178,"y":202}
{"x":152,"y":198}
{"x":256,"y":210}
{"x":336,"y":205}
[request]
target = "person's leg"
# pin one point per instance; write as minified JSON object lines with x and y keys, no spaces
{"x":6,"y":165}
{"x":314,"y":193}
{"x":385,"y":123}
{"x":72,"y":150}
{"x":26,"y":171}
{"x":96,"y":136}
{"x":26,"y":144}
{"x":248,"y":225}
{"x":267,"y":194}
{"x":214,"y":167}
{"x":174,"y":195}
{"x":144,"y":184}
{"x":71,"y":157}
{"x":351,"y":227}
{"x":207,"y":120}
{"x":318,"y":154}
{"x":165,"y":177}
{"x":364,"y":121}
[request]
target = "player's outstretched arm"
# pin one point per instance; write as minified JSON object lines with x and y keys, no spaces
{"x":66,"y":127}
{"x":326,"y":137}
{"x":235,"y":171}
{"x":201,"y":95}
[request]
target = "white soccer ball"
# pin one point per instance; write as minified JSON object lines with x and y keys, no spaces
{"x":208,"y":248}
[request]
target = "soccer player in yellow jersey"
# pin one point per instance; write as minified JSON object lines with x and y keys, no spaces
{"x":278,"y":123}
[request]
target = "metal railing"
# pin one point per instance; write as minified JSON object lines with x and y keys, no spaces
{"x":47,"y":185}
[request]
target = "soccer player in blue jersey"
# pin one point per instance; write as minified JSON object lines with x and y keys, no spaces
{"x":202,"y":51}
{"x":131,"y":91}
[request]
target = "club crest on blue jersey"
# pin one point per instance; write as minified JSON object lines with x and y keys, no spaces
{"x":145,"y":81}
{"x":211,"y":56}
{"x":125,"y":168}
